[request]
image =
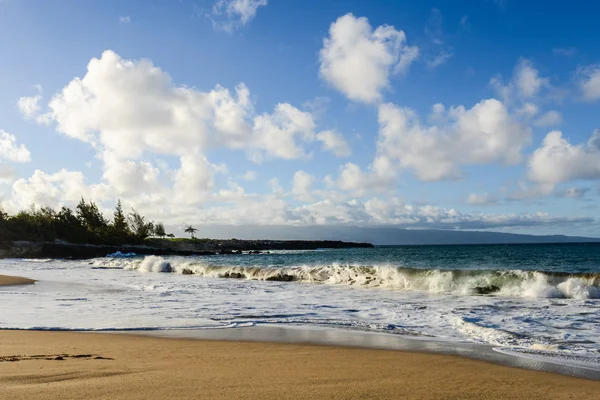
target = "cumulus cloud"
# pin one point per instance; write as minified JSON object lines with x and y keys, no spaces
{"x":483,"y":134}
{"x":482,"y":199}
{"x":276,"y":133}
{"x":11,"y":151}
{"x":526,"y":82}
{"x":125,"y":19}
{"x":133,"y":107}
{"x":379,"y":176}
{"x":334,"y":142}
{"x":527,"y":191}
{"x":557,"y":160}
{"x":551,"y":118}
{"x":29,"y":106}
{"x":528,"y":110}
{"x":589,"y":82}
{"x":358,"y":61}
{"x":229,"y":15}
{"x":302,"y":185}
{"x":53,"y":190}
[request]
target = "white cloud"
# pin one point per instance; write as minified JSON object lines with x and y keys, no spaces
{"x":358,"y":61}
{"x":526,"y":82}
{"x":317,"y":106}
{"x":229,"y":15}
{"x":54,"y":190}
{"x":530,"y":192}
{"x":438,"y":60}
{"x":11,"y":151}
{"x":483,"y":134}
{"x":528,"y":79}
{"x":482,"y":199}
{"x":334,"y":142}
{"x":301,"y":186}
{"x":250,"y":176}
{"x":133,"y":107}
{"x":528,"y":110}
{"x":551,"y":118}
{"x":276,"y":133}
{"x":574,"y":192}
{"x":589,"y":82}
{"x":380,"y":176}
{"x":125,"y":20}
{"x":29,"y":106}
{"x":564,"y":51}
{"x":194,"y":180}
{"x":558,"y":161}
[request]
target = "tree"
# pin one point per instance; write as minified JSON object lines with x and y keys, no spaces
{"x":159,"y":230}
{"x":191,"y":230}
{"x":171,"y":236}
{"x":119,"y":225}
{"x":138,"y":225}
{"x":92,"y":219}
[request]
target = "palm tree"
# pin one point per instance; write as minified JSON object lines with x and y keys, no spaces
{"x":191,"y":230}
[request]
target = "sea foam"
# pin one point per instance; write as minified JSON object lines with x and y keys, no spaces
{"x":515,"y":283}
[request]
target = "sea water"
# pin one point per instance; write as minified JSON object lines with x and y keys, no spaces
{"x":538,"y":301}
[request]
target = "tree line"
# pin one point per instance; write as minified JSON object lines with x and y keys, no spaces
{"x":86,"y":224}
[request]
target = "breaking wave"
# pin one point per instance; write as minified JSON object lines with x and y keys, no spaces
{"x":518,"y":283}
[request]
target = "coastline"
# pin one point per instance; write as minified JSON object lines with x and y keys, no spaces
{"x":163,"y":247}
{"x":73,"y":365}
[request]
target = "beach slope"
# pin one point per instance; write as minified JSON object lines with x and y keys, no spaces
{"x":6,"y":280}
{"x":65,"y":365}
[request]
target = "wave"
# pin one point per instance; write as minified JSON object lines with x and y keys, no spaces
{"x":518,"y":283}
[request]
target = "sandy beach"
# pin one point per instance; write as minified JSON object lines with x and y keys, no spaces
{"x":6,"y":280}
{"x":67,"y":365}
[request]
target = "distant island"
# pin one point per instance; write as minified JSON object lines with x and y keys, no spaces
{"x":86,"y":233}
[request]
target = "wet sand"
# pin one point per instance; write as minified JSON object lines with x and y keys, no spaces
{"x":6,"y":280}
{"x":68,"y":365}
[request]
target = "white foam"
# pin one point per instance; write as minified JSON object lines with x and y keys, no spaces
{"x":514,"y":283}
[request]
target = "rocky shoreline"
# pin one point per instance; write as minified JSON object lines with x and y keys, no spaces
{"x":187,"y":247}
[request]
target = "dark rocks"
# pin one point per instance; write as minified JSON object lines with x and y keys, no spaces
{"x":163,"y":247}
{"x":281,"y":278}
{"x":234,"y":275}
{"x":487,"y":289}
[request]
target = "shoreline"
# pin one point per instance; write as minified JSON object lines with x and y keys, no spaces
{"x":358,"y":339}
{"x":73,"y":365}
{"x":164,"y":247}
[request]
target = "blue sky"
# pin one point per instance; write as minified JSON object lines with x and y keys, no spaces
{"x":455,"y":115}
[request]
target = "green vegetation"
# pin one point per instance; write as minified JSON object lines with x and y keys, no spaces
{"x":84,"y":225}
{"x":191,"y":230}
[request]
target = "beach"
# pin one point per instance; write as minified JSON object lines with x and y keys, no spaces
{"x":70,"y":365}
{"x":7,"y":280}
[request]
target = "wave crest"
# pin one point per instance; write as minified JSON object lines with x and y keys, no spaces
{"x":518,"y":283}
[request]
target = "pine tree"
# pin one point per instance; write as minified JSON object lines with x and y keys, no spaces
{"x":119,"y":225}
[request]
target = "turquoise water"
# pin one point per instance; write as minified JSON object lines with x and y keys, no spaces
{"x":566,"y":258}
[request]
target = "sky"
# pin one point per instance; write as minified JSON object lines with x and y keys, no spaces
{"x":439,"y":114}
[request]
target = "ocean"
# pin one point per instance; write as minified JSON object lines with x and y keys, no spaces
{"x":538,"y":301}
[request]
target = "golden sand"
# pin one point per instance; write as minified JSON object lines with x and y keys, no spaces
{"x":6,"y":280}
{"x":65,"y":365}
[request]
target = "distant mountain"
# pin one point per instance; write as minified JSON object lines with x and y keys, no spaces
{"x":380,"y":235}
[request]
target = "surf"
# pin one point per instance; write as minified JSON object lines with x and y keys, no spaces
{"x":516,"y":283}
